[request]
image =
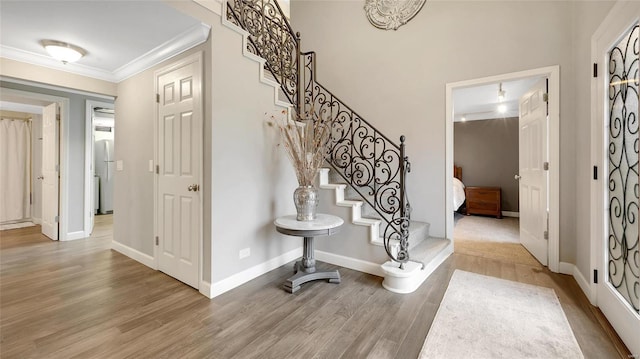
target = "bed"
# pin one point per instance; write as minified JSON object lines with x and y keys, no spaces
{"x":458,"y":188}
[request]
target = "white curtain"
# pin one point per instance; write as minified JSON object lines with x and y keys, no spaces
{"x":15,"y":174}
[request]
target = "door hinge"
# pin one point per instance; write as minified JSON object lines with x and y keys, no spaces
{"x":157,"y":241}
{"x":546,"y":234}
{"x":545,"y":97}
{"x":56,"y":219}
{"x":595,"y":276}
{"x":545,"y":166}
{"x":595,"y":172}
{"x":595,"y":69}
{"x":58,"y":118}
{"x":157,"y":98}
{"x":157,"y":169}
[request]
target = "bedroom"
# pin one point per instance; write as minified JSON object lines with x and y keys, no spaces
{"x":488,"y":165}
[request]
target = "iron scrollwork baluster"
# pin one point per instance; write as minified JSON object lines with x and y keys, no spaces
{"x":374,"y":165}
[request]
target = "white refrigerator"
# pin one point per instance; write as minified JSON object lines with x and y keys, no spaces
{"x":104,"y":169}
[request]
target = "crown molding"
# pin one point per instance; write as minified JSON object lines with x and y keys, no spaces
{"x":190,"y":38}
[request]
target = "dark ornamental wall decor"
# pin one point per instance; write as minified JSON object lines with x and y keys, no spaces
{"x":391,"y":14}
{"x":622,"y":242}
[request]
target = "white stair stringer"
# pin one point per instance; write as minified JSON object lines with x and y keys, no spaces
{"x":356,"y":207}
{"x":220,"y":7}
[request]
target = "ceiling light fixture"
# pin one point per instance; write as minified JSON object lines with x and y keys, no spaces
{"x":463,"y":118}
{"x":63,"y":51}
{"x":502,"y":108}
{"x":501,"y":93}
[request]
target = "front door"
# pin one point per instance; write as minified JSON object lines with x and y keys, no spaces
{"x":50,"y":171}
{"x":179,"y":89}
{"x":616,"y":193}
{"x":533,"y":171}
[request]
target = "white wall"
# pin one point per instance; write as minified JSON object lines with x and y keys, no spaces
{"x":396,"y":79}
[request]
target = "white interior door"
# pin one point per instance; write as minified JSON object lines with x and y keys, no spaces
{"x":50,"y":171}
{"x":615,"y":195}
{"x":180,"y":160}
{"x":533,"y":176}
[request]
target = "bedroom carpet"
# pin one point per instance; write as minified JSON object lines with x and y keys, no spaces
{"x":478,"y":228}
{"x":487,"y":317}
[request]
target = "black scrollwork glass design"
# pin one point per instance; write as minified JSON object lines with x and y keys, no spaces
{"x":622,"y":244}
{"x":270,"y":37}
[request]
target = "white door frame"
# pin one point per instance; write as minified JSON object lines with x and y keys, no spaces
{"x":63,"y":102}
{"x":196,"y":57}
{"x":88,"y":161}
{"x":553,"y":74}
{"x":622,"y":15}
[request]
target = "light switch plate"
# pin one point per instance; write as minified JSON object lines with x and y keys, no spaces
{"x":119,"y":165}
{"x":150,"y":165}
{"x":244,"y":253}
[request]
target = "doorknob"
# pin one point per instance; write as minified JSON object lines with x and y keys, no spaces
{"x":194,"y":188}
{"x":40,"y":177}
{"x":517,"y":177}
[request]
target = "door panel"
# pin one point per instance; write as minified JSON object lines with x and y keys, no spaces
{"x":618,"y":293}
{"x":533,"y":177}
{"x":180,"y":160}
{"x":50,"y":145}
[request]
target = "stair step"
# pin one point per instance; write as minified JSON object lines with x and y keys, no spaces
{"x":426,"y":251}
{"x":349,"y":203}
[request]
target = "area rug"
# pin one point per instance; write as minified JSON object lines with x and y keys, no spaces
{"x":485,"y":317}
{"x":16,"y":225}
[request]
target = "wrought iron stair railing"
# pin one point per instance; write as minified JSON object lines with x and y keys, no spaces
{"x":374,"y":166}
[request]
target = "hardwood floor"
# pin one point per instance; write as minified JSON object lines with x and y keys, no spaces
{"x":79,"y":299}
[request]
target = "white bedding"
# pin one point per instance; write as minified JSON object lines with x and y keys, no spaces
{"x":458,"y":193}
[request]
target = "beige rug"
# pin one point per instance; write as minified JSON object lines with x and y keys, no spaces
{"x":479,"y":228}
{"x":504,"y":252}
{"x":485,"y":317}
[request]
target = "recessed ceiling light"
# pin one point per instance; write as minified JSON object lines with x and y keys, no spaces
{"x":502,"y":108}
{"x":463,"y":118}
{"x":63,"y":51}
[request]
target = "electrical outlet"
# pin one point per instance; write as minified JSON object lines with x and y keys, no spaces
{"x":244,"y":253}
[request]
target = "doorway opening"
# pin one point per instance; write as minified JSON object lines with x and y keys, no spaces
{"x":100,"y":164}
{"x":491,"y":185}
{"x":40,"y":178}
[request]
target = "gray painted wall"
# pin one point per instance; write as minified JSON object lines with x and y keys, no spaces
{"x":75,"y":149}
{"x":396,"y":80}
{"x":248,"y":181}
{"x":487,"y":151}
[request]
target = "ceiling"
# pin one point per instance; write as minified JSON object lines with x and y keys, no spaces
{"x":481,"y":102}
{"x":121,"y":38}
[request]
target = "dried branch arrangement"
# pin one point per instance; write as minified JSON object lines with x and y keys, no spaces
{"x":305,"y":139}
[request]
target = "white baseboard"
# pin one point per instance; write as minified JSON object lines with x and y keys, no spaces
{"x":588,"y":289}
{"x":351,"y":263}
{"x":510,"y":214}
{"x":72,"y":236}
{"x":134,"y":254}
{"x":36,"y":220}
{"x":205,"y":289}
{"x":246,"y":275}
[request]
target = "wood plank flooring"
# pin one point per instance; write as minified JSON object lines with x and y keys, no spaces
{"x":79,"y":299}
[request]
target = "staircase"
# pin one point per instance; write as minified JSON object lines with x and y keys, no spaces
{"x":366,"y":170}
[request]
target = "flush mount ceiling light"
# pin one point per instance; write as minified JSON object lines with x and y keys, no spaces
{"x":502,"y":108}
{"x":63,"y":51}
{"x":501,"y":93}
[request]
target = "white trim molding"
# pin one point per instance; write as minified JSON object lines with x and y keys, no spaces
{"x":214,"y":5}
{"x":351,"y":263}
{"x":246,"y":275}
{"x":190,"y":38}
{"x":134,"y":254}
{"x":588,"y":288}
{"x":72,"y":236}
{"x":510,"y":214}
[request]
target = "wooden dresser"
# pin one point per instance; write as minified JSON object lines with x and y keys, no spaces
{"x":483,"y":200}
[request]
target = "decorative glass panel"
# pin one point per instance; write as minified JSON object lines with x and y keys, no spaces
{"x":623,"y":256}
